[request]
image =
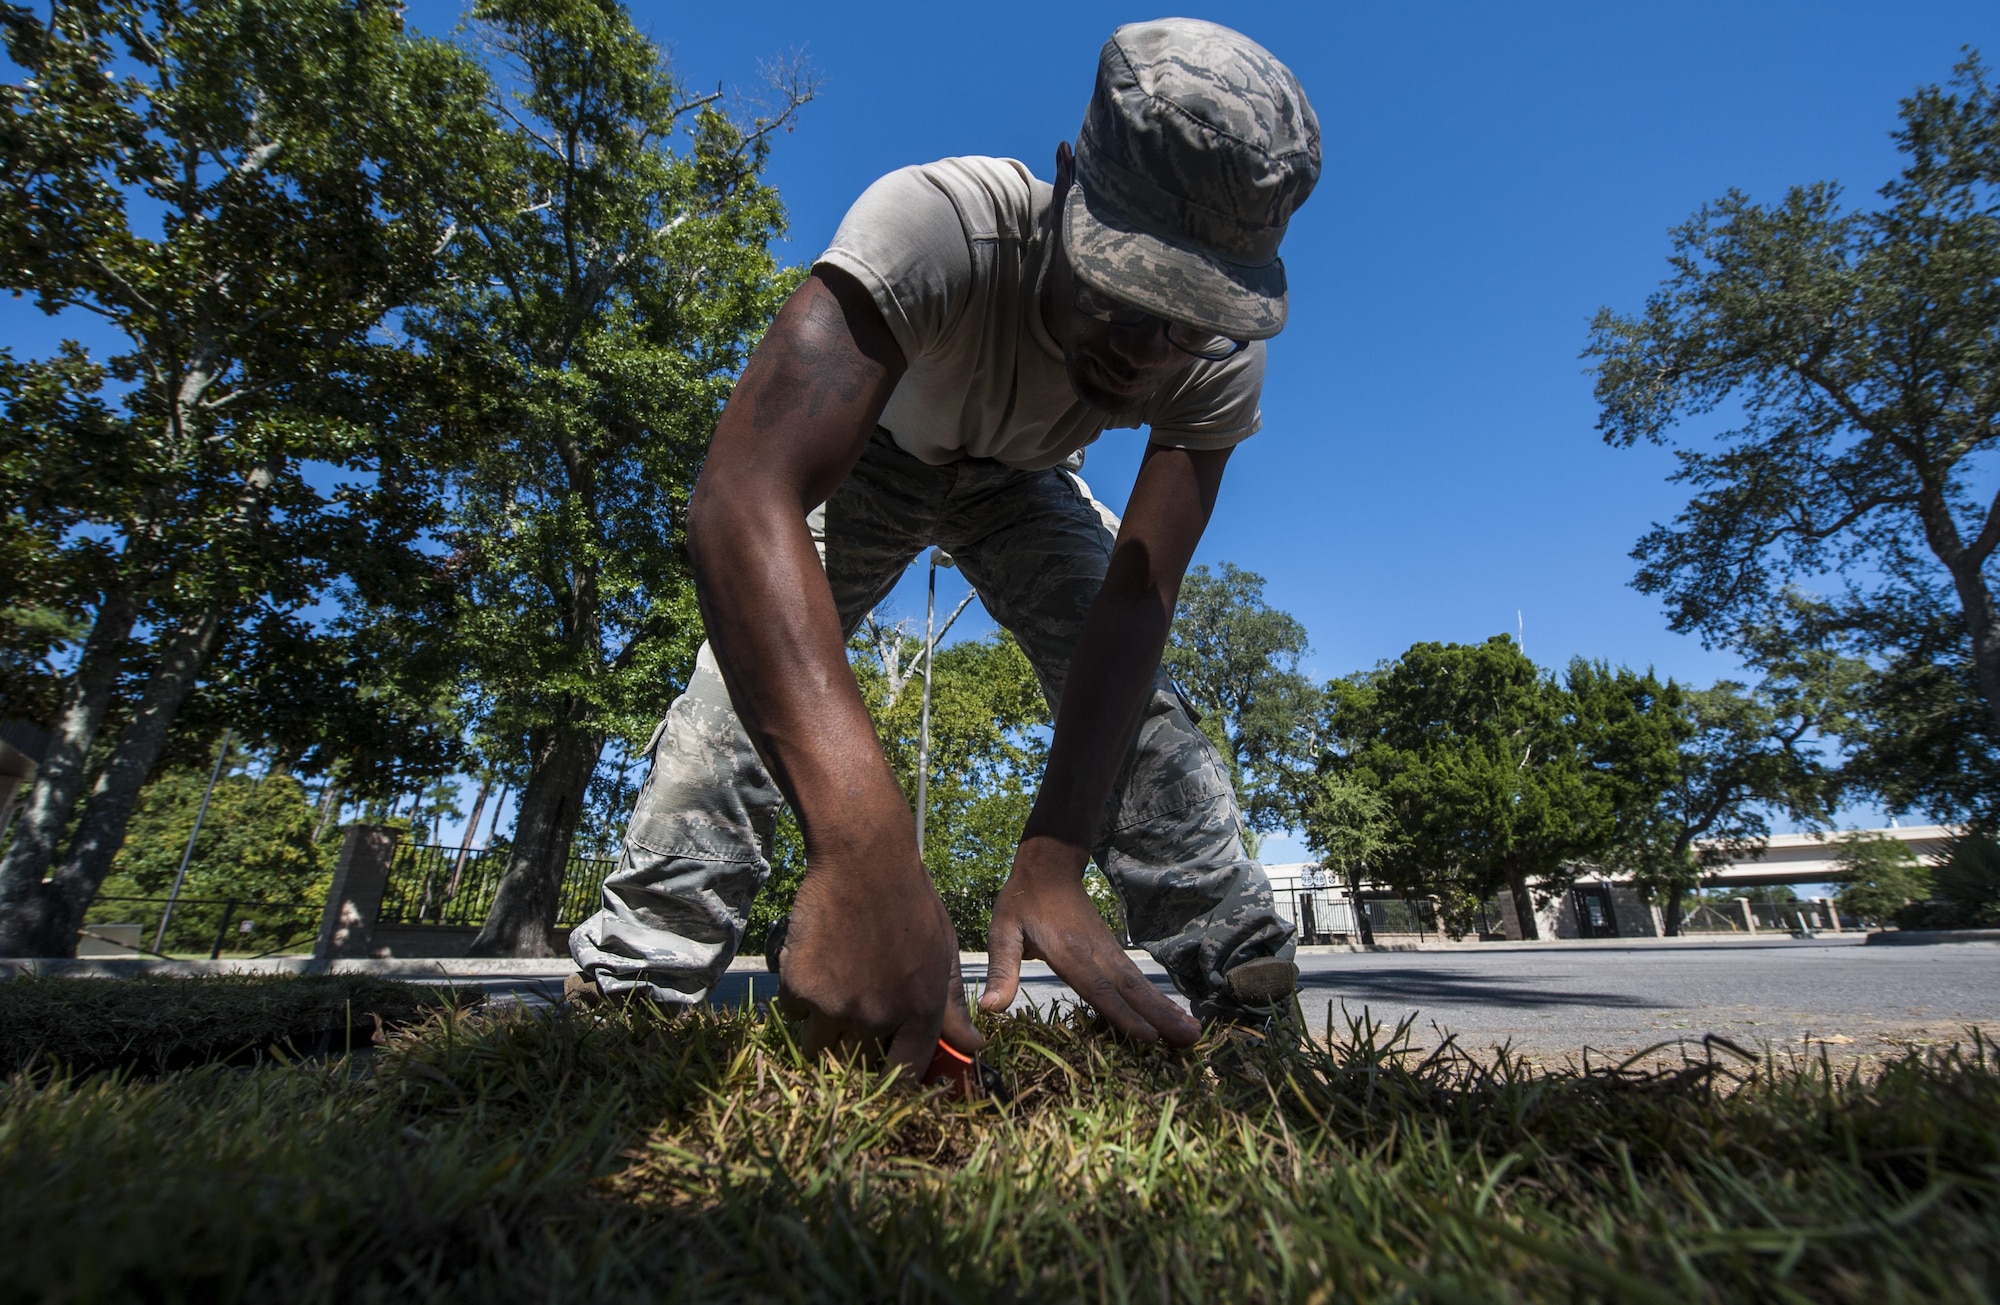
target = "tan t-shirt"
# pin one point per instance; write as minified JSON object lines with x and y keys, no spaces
{"x":952,"y":253}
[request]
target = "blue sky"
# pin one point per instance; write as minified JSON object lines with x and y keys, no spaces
{"x":1494,"y":174}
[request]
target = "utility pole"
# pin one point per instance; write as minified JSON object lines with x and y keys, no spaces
{"x":221,"y":753}
{"x":938,"y":558}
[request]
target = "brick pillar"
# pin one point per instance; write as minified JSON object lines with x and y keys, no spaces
{"x":1749,"y":916}
{"x":359,"y":880}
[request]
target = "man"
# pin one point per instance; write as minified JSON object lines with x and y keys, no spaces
{"x":970,"y":330}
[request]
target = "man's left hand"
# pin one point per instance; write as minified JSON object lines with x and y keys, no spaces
{"x":1044,"y":914}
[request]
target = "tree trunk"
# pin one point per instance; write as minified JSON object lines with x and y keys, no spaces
{"x":1967,"y":568}
{"x":330,"y":804}
{"x":1524,"y":902}
{"x":1672,"y":920}
{"x":177,"y":666}
{"x":524,"y":906}
{"x":1980,"y":622}
{"x":1361,"y":924}
{"x":471,"y":830}
{"x":499,"y":805}
{"x":30,"y":922}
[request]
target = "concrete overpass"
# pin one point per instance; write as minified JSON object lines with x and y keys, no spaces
{"x":1812,"y":858}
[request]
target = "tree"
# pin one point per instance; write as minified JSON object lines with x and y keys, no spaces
{"x":1964,"y":889}
{"x":1857,"y":350}
{"x":1693,"y":775}
{"x":1881,"y":876}
{"x":255,"y":847}
{"x":286,"y":154}
{"x":1350,"y":827}
{"x":989,"y":742}
{"x":1474,"y":751}
{"x":1238,"y":659}
{"x":612,"y":271}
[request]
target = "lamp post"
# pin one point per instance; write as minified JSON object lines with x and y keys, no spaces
{"x":938,"y":558}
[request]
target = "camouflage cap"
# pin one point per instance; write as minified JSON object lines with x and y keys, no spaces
{"x":1197,"y":148}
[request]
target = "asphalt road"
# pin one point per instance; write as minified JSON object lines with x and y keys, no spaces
{"x":1555,"y":1000}
{"x":1617,"y":998}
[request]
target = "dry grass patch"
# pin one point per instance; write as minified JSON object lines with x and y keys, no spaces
{"x":525,"y":1155}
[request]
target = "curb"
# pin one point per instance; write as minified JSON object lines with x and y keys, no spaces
{"x":556,"y":968}
{"x":411,"y":967}
{"x":1927,"y":937}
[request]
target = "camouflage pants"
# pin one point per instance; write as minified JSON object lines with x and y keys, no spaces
{"x":1035,"y":546}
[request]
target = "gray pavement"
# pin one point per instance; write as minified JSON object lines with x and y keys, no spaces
{"x":1620,"y":997}
{"x":1553,"y":1000}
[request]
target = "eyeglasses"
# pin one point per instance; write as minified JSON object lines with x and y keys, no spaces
{"x":1188,"y":339}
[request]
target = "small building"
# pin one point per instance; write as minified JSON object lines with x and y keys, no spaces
{"x":1596,"y":905}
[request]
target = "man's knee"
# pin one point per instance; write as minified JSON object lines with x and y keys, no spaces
{"x":706,"y":794}
{"x":1173,"y":778}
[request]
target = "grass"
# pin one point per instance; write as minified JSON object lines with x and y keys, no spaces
{"x":540,"y":1156}
{"x":156,"y":1025}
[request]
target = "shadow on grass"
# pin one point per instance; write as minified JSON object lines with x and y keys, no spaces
{"x":543,"y":1155}
{"x":151,"y":1026}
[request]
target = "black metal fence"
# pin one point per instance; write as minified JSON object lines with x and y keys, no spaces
{"x":1803,"y":916}
{"x":199,"y":926}
{"x":455,"y":886}
{"x":1322,"y":909}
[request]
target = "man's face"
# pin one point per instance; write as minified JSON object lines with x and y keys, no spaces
{"x":1112,"y":368}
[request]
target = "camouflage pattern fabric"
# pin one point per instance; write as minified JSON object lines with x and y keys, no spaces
{"x":1035,"y":546}
{"x":1197,"y":148}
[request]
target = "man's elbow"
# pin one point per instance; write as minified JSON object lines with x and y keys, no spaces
{"x":730,"y":507}
{"x":708,"y":521}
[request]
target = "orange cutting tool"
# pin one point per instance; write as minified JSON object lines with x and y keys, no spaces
{"x":964,"y":1077}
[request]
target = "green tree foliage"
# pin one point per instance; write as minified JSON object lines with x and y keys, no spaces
{"x":989,"y":742}
{"x":1632,"y":732}
{"x":1237,"y":657}
{"x":612,"y":271}
{"x":1475,"y":752}
{"x":1458,"y":770}
{"x":1880,"y":876}
{"x":55,"y":404}
{"x":1351,"y":828}
{"x":1694,"y":775}
{"x":1964,"y":889}
{"x":244,"y":192}
{"x":255,"y":846}
{"x":1857,"y":353}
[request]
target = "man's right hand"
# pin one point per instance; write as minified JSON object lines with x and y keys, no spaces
{"x":871,"y":961}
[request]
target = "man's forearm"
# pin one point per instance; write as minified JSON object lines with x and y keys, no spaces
{"x":1110,"y":679}
{"x":788,"y":436}
{"x":771,"y":620}
{"x":1111,"y":673}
